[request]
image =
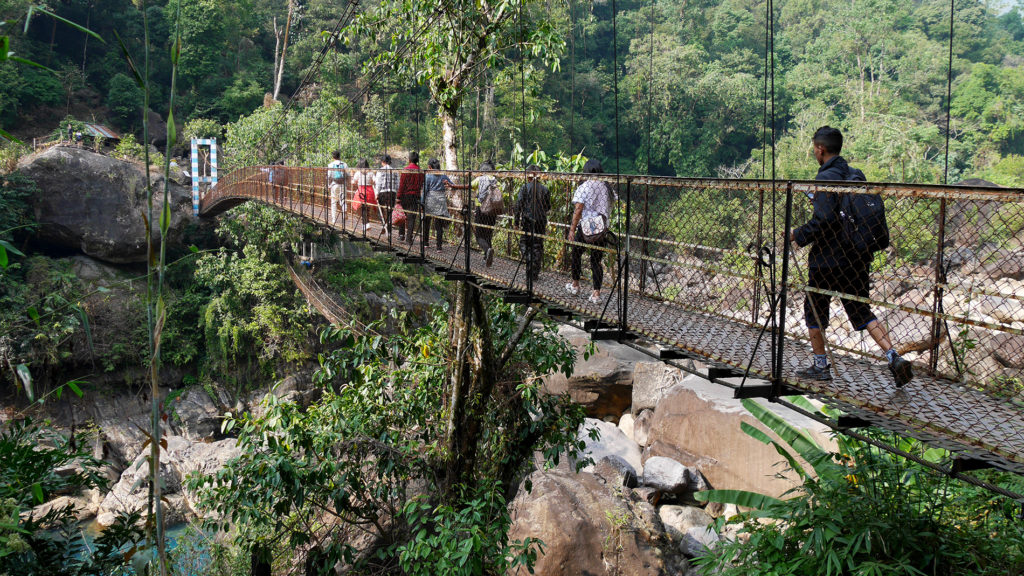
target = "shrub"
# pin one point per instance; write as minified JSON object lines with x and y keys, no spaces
{"x":369,"y":455}
{"x":51,"y":543}
{"x":124,"y":98}
{"x":866,"y":511}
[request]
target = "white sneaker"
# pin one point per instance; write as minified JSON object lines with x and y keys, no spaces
{"x":572,"y":289}
{"x":595,"y":298}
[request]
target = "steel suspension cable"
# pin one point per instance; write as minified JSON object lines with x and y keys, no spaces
{"x":572,"y":76}
{"x":314,"y":67}
{"x":522,"y":84}
{"x":650,"y":92}
{"x":949,"y":90}
{"x":371,"y":80}
{"x":615,"y":83}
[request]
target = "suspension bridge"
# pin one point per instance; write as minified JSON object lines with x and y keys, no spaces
{"x":698,"y":269}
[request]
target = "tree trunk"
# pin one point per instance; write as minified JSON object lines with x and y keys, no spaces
{"x":861,"y":68}
{"x":277,"y":55}
{"x":450,"y":145}
{"x":461,"y":321}
{"x":279,"y":73}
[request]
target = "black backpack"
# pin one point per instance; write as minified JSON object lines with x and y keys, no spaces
{"x":535,"y":202}
{"x":864,"y":230}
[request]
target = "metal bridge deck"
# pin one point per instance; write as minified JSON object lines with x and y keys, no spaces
{"x":977,"y":427}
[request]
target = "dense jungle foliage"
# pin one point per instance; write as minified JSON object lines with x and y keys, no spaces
{"x":874,"y":68}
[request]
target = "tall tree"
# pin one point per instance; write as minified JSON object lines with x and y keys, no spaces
{"x":452,"y":42}
{"x":281,"y":47}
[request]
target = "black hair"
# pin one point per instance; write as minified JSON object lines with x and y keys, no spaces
{"x":414,"y":157}
{"x":830,"y":138}
{"x":593,"y":166}
{"x":362,"y":163}
{"x":533,"y":168}
{"x":434,"y":164}
{"x":336,"y":154}
{"x":385,"y":158}
{"x":487,"y":165}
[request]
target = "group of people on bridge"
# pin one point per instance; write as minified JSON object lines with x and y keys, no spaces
{"x":836,"y":265}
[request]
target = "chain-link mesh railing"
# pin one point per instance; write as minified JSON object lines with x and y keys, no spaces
{"x":709,"y":266}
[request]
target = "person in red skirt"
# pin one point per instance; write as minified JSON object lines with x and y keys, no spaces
{"x":362,"y":179}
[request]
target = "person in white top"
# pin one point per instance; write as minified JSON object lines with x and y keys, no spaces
{"x":336,"y":178}
{"x":592,"y":202}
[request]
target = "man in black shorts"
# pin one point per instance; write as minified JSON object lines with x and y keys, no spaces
{"x":831,"y":268}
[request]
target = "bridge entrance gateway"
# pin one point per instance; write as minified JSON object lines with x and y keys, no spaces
{"x":204,"y":167}
{"x":693,"y":268}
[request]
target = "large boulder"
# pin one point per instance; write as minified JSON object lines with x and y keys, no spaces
{"x":196,"y":416}
{"x":610,"y":442}
{"x":670,"y":476}
{"x":95,"y":204}
{"x":158,"y":129}
{"x":1008,"y":266}
{"x":679,"y":520}
{"x":588,"y":526}
{"x":651,"y":381}
{"x":698,"y":424}
{"x":178,"y":460}
{"x":602,"y":383}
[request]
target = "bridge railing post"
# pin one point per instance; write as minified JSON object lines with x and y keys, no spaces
{"x":644,"y":233}
{"x":940,"y":279}
{"x":468,"y":217}
{"x":624,"y":264}
{"x":779,"y":338}
{"x":424,"y":228}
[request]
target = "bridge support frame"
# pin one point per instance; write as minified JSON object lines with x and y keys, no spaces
{"x":197,"y":178}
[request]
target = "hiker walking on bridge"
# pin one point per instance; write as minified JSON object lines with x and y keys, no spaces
{"x":592,"y":202}
{"x":835,"y":266}
{"x":336,"y":177}
{"x":362,"y":179}
{"x":410,"y":187}
{"x":531,"y":216}
{"x":486,"y":216}
{"x":386,"y":185}
{"x":435,"y":203}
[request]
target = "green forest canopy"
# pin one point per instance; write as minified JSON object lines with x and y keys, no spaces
{"x":874,"y":68}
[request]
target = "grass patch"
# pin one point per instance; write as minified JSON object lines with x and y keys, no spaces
{"x":377,"y":274}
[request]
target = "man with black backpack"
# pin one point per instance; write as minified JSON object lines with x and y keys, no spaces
{"x":531,"y":216}
{"x":845,"y":231}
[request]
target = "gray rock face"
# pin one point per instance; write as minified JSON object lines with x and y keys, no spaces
{"x":588,"y":527}
{"x":678,"y":520}
{"x":1008,"y":350}
{"x":612,"y":442}
{"x":651,"y":381}
{"x":642,"y":427}
{"x":1009,"y":266}
{"x":697,"y":540}
{"x":177,"y":461}
{"x":616,"y":471}
{"x":95,"y":204}
{"x":671,"y":477}
{"x":196,"y":415}
{"x":602,"y":383}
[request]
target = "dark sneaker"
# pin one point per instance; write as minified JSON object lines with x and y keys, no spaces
{"x":489,"y":256}
{"x":901,"y":370}
{"x":815,"y":373}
